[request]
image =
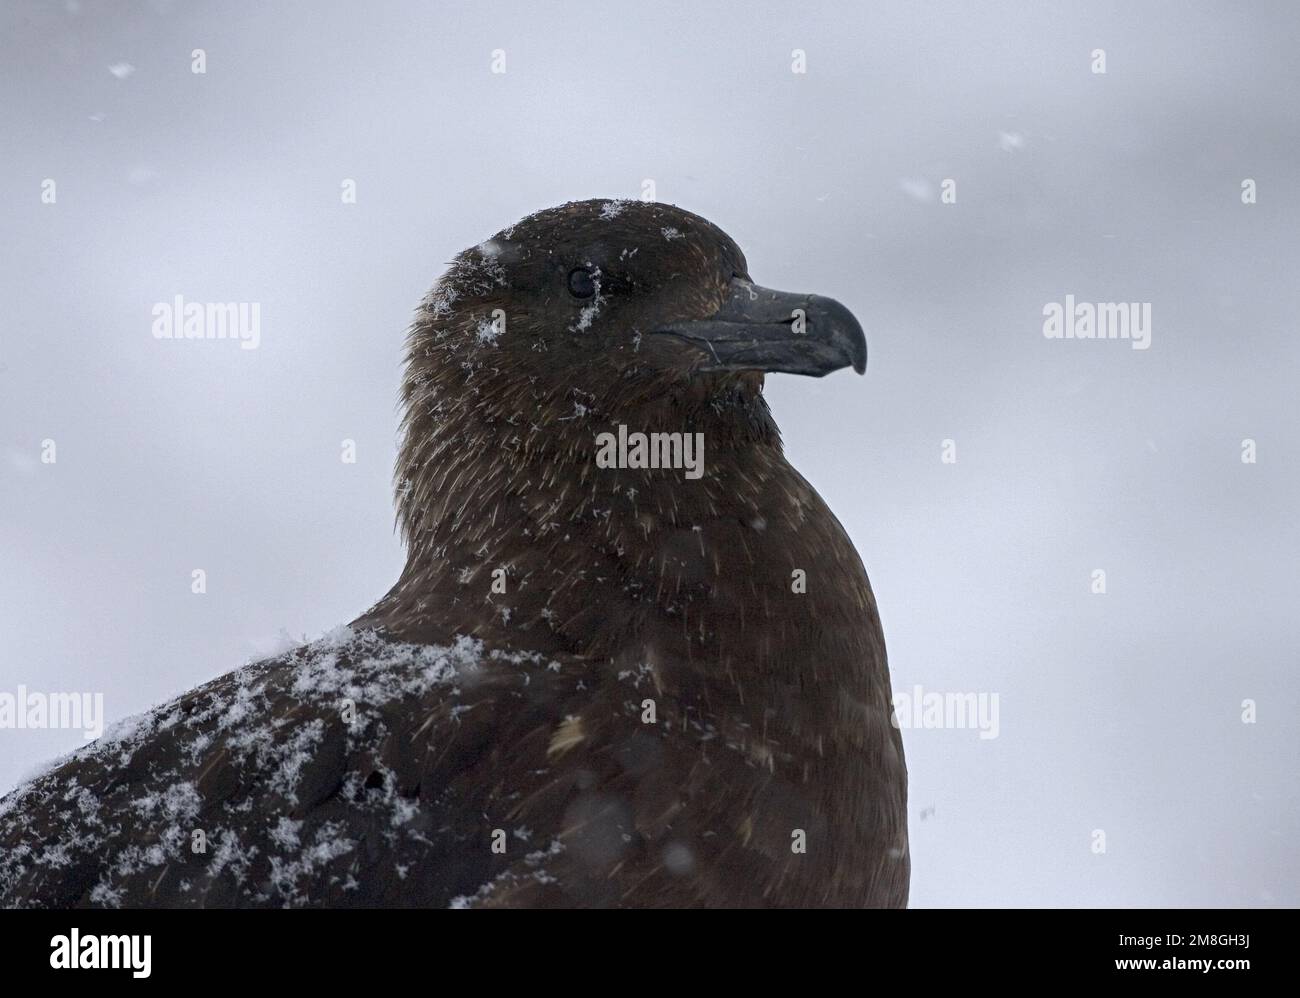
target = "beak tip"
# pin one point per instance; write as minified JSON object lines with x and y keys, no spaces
{"x":848,"y":331}
{"x":859,"y":352}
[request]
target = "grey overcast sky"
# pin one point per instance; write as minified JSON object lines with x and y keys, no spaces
{"x":1119,"y":712}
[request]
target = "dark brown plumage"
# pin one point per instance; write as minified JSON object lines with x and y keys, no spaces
{"x":590,"y":686}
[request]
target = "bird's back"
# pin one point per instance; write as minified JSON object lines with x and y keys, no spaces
{"x":362,"y":771}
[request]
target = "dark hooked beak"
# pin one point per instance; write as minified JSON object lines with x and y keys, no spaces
{"x":758,"y":329}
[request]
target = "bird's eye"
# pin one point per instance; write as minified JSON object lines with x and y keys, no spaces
{"x":581,"y":283}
